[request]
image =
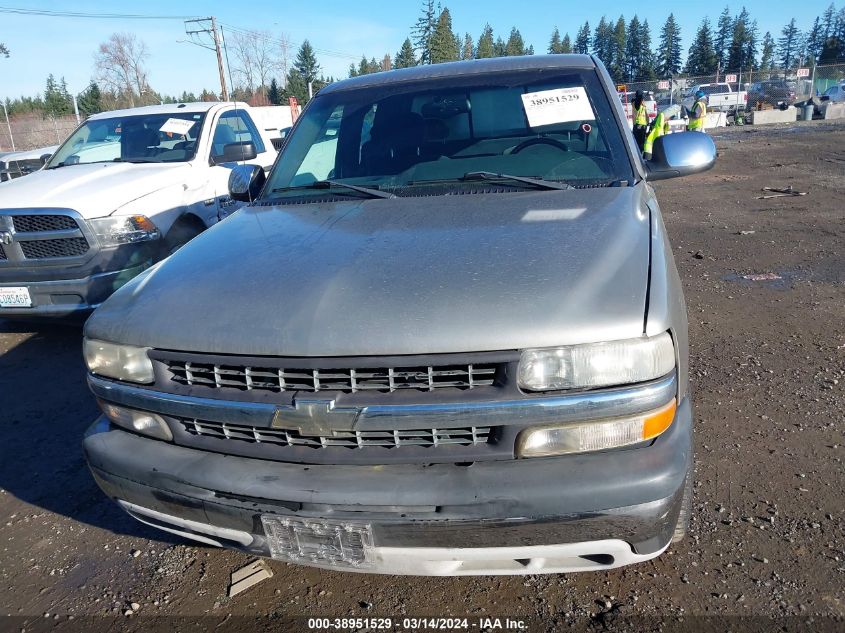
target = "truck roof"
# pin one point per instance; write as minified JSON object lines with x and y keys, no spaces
{"x":470,"y":67}
{"x":198,"y":106}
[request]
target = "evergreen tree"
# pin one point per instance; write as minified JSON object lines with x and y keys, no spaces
{"x":739,"y":40}
{"x":353,"y":71}
{"x":722,"y":40}
{"x":582,"y":40}
{"x":90,"y":101}
{"x":468,"y":49}
{"x":618,"y":50}
{"x":499,"y":49}
{"x":566,"y":44}
{"x":647,"y":71}
{"x":515,"y":45}
{"x":555,"y":43}
{"x":767,"y":57}
{"x":57,"y":101}
{"x":444,"y":46}
{"x":305,"y":69}
{"x":274,"y":95}
{"x":603,"y":42}
{"x":424,"y":30}
{"x":833,"y":51}
{"x":633,"y":49}
{"x":752,"y":40}
{"x":669,"y":49}
{"x":701,"y":59}
{"x":789,"y":45}
{"x":4,"y":51}
{"x":829,"y":22}
{"x":405,"y":58}
{"x":485,"y":44}
{"x":815,"y":41}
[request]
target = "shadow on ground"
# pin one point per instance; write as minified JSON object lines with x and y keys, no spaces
{"x":45,"y":407}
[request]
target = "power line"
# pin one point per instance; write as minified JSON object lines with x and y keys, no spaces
{"x":96,"y":16}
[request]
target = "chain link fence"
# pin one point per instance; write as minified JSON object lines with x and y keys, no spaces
{"x":748,"y":90}
{"x":32,"y":131}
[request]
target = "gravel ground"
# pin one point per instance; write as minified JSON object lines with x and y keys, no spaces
{"x":767,"y":538}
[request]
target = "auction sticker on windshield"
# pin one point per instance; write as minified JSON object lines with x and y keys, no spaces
{"x":561,"y":105}
{"x":177,"y":126}
{"x":15,"y":297}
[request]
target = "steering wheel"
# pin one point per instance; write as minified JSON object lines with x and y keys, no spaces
{"x":542,"y":140}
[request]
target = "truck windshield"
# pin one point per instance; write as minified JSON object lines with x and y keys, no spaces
{"x":146,"y":138}
{"x":551,"y":124}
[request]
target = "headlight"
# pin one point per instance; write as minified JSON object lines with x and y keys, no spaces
{"x":596,"y":435}
{"x":126,"y":229}
{"x":122,"y":362}
{"x":597,"y":364}
{"x":143,"y":422}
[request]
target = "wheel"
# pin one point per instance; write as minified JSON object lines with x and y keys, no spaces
{"x":180,"y":234}
{"x":540,"y":141}
{"x":682,"y":526}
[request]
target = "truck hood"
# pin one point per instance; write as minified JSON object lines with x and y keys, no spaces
{"x":94,"y":190}
{"x":397,"y":276}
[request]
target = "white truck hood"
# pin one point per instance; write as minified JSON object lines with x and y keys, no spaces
{"x":94,"y":190}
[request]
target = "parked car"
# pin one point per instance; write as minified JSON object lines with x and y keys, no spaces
{"x":721,"y":97}
{"x":834,"y":93}
{"x":774,"y":92}
{"x":447,"y":337}
{"x":17,"y":164}
{"x":124,"y":190}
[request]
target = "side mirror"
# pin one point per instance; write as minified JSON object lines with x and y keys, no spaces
{"x":245,"y":182}
{"x":236,"y":152}
{"x":44,"y":158}
{"x":680,"y":154}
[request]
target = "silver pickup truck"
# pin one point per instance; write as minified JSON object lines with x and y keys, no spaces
{"x":446,"y":337}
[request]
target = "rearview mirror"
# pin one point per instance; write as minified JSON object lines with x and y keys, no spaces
{"x":680,"y":154}
{"x":245,"y":182}
{"x":236,"y":152}
{"x":44,"y":158}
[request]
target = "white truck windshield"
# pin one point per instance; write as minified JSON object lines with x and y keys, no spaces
{"x":150,"y":138}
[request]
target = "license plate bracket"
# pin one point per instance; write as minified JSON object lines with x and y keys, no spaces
{"x":318,"y":541}
{"x":15,"y":297}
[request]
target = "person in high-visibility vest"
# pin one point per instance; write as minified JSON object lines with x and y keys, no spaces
{"x":640,"y":114}
{"x":658,"y":129}
{"x":698,"y":113}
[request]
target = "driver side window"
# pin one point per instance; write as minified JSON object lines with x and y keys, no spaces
{"x":235,"y":126}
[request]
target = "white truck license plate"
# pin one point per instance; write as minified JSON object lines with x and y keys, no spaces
{"x":15,"y":297}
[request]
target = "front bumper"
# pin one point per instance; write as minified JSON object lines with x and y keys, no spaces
{"x":569,"y":513}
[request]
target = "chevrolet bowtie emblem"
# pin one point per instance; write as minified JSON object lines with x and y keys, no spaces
{"x":5,"y":237}
{"x":315,"y":416}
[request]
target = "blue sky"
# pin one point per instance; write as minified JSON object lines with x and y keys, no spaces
{"x":65,"y":46}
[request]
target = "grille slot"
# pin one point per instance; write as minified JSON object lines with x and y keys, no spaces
{"x":383,"y":379}
{"x":2,"y":252}
{"x":39,"y":223}
{"x":46,"y":249}
{"x":425,"y":438}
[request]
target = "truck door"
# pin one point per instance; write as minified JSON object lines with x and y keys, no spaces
{"x":234,"y":126}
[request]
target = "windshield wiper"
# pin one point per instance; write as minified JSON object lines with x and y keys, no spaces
{"x":541,"y":183}
{"x":327,"y":184}
{"x":135,"y":160}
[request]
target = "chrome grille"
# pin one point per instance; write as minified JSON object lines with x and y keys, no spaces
{"x":2,"y":252}
{"x":426,"y":438}
{"x":36,"y":223}
{"x":44,"y":249}
{"x":385,"y":379}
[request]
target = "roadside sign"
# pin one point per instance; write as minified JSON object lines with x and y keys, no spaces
{"x":731,"y":79}
{"x":663,"y":85}
{"x":803,"y":72}
{"x":621,"y":88}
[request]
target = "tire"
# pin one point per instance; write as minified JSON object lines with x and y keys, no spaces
{"x":682,"y":525}
{"x":180,"y":234}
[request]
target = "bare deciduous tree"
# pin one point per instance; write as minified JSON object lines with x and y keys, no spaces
{"x":254,"y":51}
{"x":120,"y":68}
{"x":283,"y":55}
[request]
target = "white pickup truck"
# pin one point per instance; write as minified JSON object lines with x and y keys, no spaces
{"x":720,"y":97}
{"x":126,"y":189}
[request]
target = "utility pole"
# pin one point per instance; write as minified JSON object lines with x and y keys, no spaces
{"x":211,"y":30}
{"x":8,"y":125}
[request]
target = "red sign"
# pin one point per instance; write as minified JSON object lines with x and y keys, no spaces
{"x":663,"y":85}
{"x":803,"y":72}
{"x":731,"y":79}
